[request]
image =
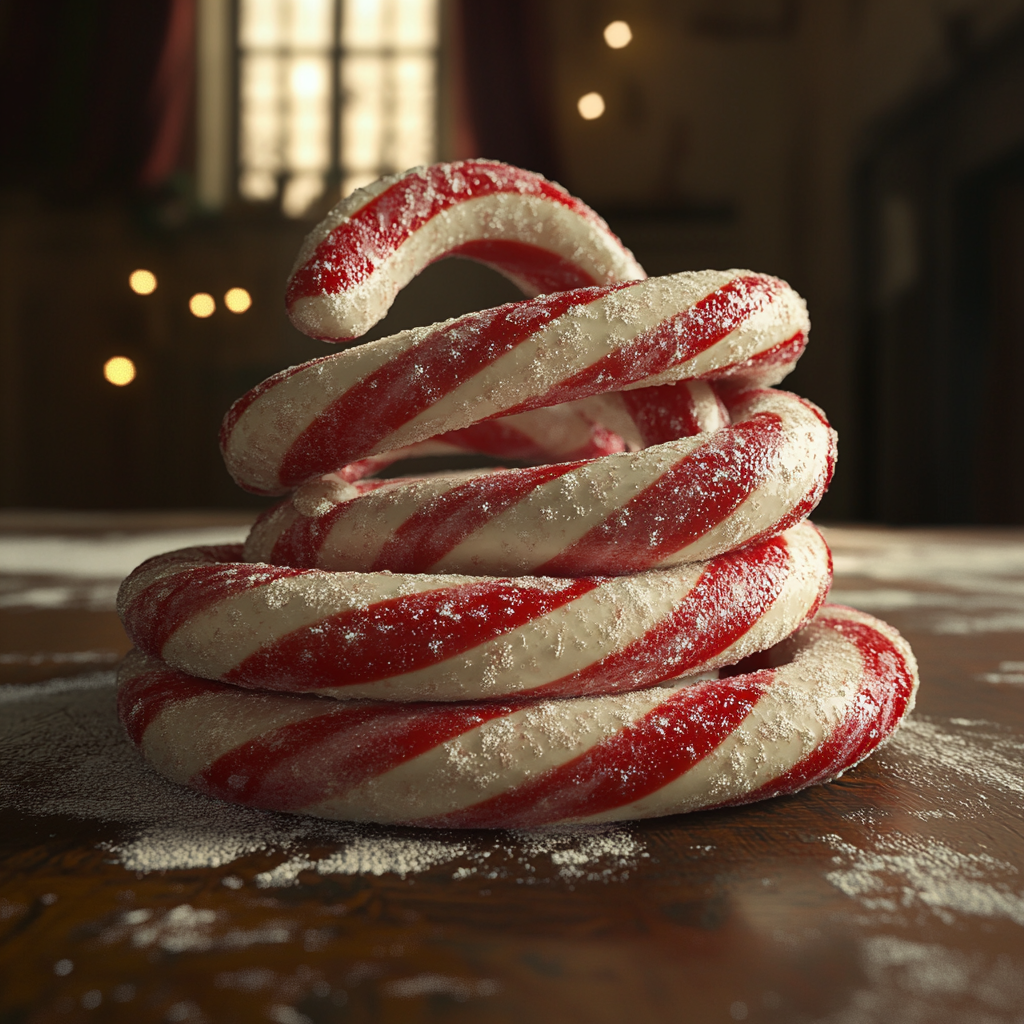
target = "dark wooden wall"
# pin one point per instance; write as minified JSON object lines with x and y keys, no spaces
{"x":942,"y":294}
{"x":758,"y":133}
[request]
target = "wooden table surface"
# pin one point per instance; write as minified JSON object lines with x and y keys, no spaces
{"x":893,"y":895}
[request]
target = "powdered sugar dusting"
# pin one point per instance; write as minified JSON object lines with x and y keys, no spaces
{"x":185,"y":928}
{"x":958,"y":761}
{"x":918,"y":983}
{"x":582,"y":854}
{"x":593,"y":854}
{"x":958,"y":769}
{"x":369,"y":855}
{"x":63,"y":752}
{"x":975,"y":585}
{"x":67,"y":571}
{"x":907,"y":873}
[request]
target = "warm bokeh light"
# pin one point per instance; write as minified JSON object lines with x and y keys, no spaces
{"x":238,"y":300}
{"x":590,"y":106}
{"x":202,"y":305}
{"x":120,"y":370}
{"x":618,"y":34}
{"x":142,"y":282}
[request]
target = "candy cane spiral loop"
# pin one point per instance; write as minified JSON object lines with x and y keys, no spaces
{"x":567,"y":620}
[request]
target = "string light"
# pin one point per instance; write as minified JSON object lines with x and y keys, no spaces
{"x":142,"y":282}
{"x":202,"y":305}
{"x":590,"y":106}
{"x":618,"y":34}
{"x":119,"y":370}
{"x":238,"y":300}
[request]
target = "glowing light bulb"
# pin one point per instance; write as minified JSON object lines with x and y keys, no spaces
{"x":202,"y":305}
{"x":618,"y":34}
{"x":119,"y":370}
{"x":142,"y":282}
{"x":590,"y":106}
{"x":238,"y":300}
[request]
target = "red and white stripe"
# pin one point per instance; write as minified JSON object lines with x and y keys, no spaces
{"x":402,"y":636}
{"x":385,"y":395}
{"x":567,"y":619}
{"x":680,"y":501}
{"x":587,"y":429}
{"x":824,"y":700}
{"x":354,"y":263}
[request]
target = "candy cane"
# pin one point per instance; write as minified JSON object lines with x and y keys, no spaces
{"x":373,"y":243}
{"x":835,"y":691}
{"x":415,"y":636}
{"x":566,"y":619}
{"x":668,"y":504}
{"x":321,"y":416}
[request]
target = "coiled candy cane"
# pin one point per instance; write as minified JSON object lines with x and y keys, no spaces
{"x":660,"y":540}
{"x":840,"y":687}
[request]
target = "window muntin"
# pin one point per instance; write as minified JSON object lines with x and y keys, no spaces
{"x":333,"y":91}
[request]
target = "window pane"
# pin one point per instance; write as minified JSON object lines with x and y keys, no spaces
{"x":362,"y":24}
{"x":383,"y":107}
{"x":259,"y":23}
{"x":257,"y":185}
{"x":362,"y":126}
{"x":415,"y":23}
{"x":357,"y":180}
{"x":309,"y":99}
{"x":301,"y":191}
{"x":310,"y":23}
{"x":413,"y":137}
{"x":260,"y":113}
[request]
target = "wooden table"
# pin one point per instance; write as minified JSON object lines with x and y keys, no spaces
{"x":893,"y":895}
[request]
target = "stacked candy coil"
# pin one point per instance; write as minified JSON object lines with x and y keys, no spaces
{"x":632,"y":625}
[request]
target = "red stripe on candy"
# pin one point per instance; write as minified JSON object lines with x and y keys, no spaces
{"x":730,"y":595}
{"x":785,"y":353}
{"x":353,"y":251}
{"x":306,"y":763}
{"x":818,"y":487}
{"x":442,"y":524}
{"x":143,"y":698}
{"x":300,"y":542}
{"x":662,"y":413}
{"x":682,"y":505}
{"x":544,"y":270}
{"x":353,"y":424}
{"x":399,"y":635}
{"x":497,"y":437}
{"x":234,"y":414}
{"x":886,"y":686}
{"x":640,"y":759}
{"x":673,"y":341}
{"x":155,"y":613}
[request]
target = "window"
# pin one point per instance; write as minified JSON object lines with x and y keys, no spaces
{"x":332,"y":92}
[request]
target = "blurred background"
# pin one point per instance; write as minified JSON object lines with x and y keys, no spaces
{"x":160,"y":163}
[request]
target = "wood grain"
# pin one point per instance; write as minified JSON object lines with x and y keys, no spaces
{"x":894,"y":894}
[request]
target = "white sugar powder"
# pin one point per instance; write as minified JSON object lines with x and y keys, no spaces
{"x":902,"y":872}
{"x":967,"y":766}
{"x":106,"y":556}
{"x":922,"y":982}
{"x":186,"y":928}
{"x":959,"y":761}
{"x":63,"y":752}
{"x":975,"y":585}
{"x":459,"y":989}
